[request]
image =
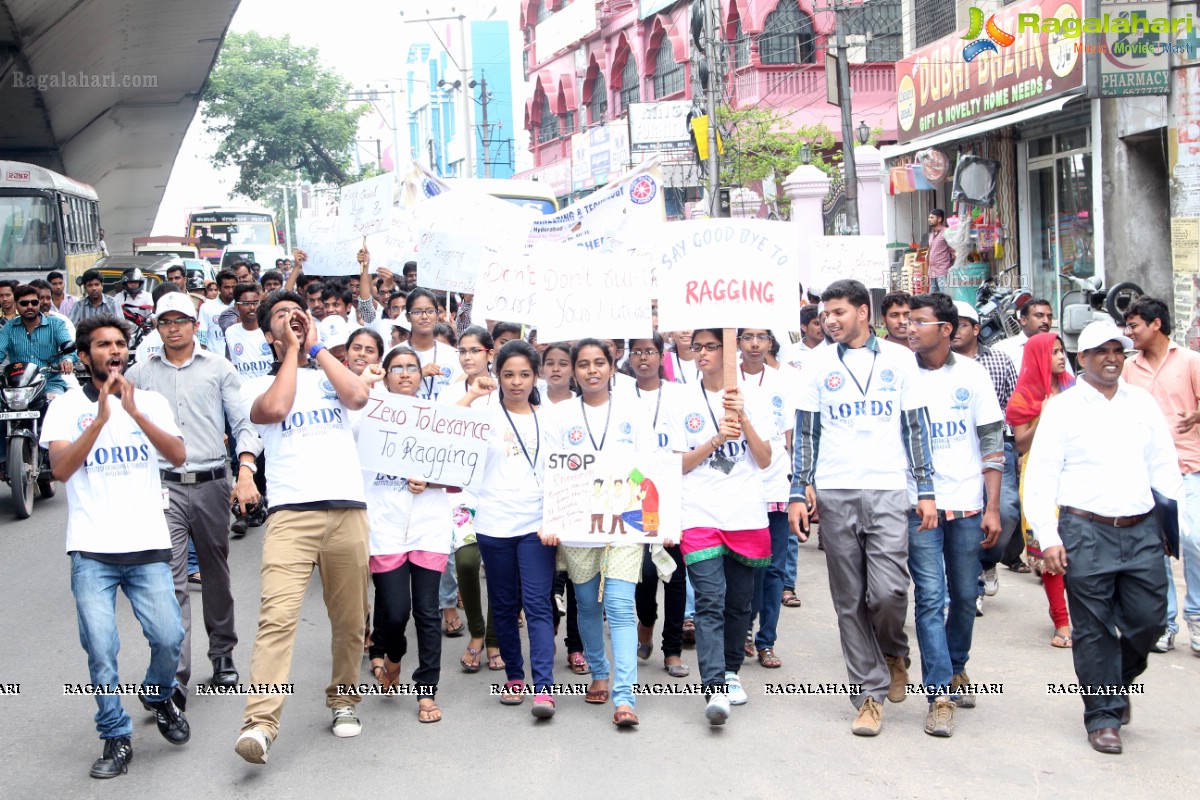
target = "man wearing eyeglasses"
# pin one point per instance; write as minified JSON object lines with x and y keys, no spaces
{"x":245,"y":345}
{"x":203,"y":390}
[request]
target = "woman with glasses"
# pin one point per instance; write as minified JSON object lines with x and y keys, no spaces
{"x":724,"y":511}
{"x":520,"y":569}
{"x":646,"y":358}
{"x":475,"y":357}
{"x":776,"y":390}
{"x":410,"y":548}
{"x":605,"y":575}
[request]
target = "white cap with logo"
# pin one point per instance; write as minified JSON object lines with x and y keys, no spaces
{"x":179,"y":302}
{"x":1101,"y":331}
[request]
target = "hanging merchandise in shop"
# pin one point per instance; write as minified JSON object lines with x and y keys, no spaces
{"x":938,"y":89}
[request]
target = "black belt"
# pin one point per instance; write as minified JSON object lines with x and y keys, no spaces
{"x":193,"y":477}
{"x":1116,"y":522}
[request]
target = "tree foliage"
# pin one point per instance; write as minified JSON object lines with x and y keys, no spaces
{"x":279,"y":112}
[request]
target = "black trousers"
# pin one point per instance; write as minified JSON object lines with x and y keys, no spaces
{"x":399,"y":593}
{"x":1117,"y":592}
{"x":572,"y":640}
{"x":674,"y":601}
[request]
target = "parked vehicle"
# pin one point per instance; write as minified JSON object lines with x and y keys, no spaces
{"x":179,"y":246}
{"x":1089,"y":301}
{"x":22,"y":407}
{"x":998,"y":307}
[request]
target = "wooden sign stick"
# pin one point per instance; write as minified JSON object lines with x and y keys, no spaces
{"x":730,"y":351}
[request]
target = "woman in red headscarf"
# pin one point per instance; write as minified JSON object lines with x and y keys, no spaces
{"x":1043,"y":375}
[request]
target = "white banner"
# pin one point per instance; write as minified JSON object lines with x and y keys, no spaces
{"x":583,"y":293}
{"x":423,"y":440}
{"x":449,"y":262}
{"x":635,"y":199}
{"x":728,"y":273}
{"x":366,"y":207}
{"x":600,"y":498}
{"x":831,"y":258}
{"x":506,"y":290}
{"x":317,"y":236}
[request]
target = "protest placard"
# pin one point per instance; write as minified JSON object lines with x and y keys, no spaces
{"x":831,"y":258}
{"x":600,"y":498}
{"x":638,"y":196}
{"x":728,"y":273}
{"x":585,"y":293}
{"x":448,"y":261}
{"x":423,"y":440}
{"x":366,"y":207}
{"x":506,"y":289}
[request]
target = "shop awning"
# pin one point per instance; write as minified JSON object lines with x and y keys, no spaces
{"x":976,"y":128}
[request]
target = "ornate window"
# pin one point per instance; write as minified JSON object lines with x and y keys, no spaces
{"x":668,"y":73}
{"x":741,"y":47}
{"x":631,"y":84}
{"x":788,"y":36}
{"x":547,"y":122}
{"x":935,"y":19}
{"x":597,"y":106}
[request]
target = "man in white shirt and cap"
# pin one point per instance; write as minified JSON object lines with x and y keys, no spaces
{"x":1101,"y":446}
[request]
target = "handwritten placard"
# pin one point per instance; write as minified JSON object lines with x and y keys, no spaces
{"x":506,"y":290}
{"x":619,"y":499}
{"x":419,"y":439}
{"x":584,"y":293}
{"x":638,"y":197}
{"x":448,"y":261}
{"x":832,"y":258}
{"x":366,"y":207}
{"x":728,"y":273}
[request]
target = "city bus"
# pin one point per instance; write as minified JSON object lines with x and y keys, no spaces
{"x":219,"y":226}
{"x":47,"y":221}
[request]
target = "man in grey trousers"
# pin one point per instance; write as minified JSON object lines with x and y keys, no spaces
{"x":861,"y":428}
{"x":202,"y":389}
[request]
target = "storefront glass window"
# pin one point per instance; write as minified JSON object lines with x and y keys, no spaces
{"x":1060,"y":209}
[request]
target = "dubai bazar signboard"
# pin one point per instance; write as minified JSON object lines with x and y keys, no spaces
{"x":991,"y":68}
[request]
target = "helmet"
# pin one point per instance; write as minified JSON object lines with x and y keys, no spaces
{"x":133,"y":274}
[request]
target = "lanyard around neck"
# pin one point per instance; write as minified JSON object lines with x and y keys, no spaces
{"x":607,"y":419}
{"x":657,"y":401}
{"x":711,"y":415}
{"x":862,"y":389}
{"x":428,"y":380}
{"x":537,"y":429}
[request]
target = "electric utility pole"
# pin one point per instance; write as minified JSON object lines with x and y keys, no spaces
{"x":850,"y":183}
{"x":713,"y":164}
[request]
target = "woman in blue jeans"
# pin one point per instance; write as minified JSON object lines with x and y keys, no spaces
{"x":605,"y":575}
{"x":520,"y":569}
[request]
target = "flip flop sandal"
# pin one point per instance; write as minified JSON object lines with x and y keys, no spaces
{"x":578,"y":663}
{"x":768,"y":659}
{"x":790,"y":599}
{"x":495,"y":662}
{"x":513,"y":693}
{"x":455,"y":630}
{"x":597,"y":698}
{"x":624,"y":719}
{"x":424,"y":711}
{"x":468,"y":667}
{"x":1057,"y":638}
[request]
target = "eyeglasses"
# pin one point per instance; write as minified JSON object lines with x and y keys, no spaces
{"x":29,"y":303}
{"x":179,"y":322}
{"x":711,"y":347}
{"x":249,"y":303}
{"x":411,"y":369}
{"x":754,"y":337}
{"x":423,"y":312}
{"x":472,"y":351}
{"x":926,"y":324}
{"x":649,"y":352}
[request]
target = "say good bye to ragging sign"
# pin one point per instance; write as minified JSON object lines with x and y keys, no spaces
{"x":721,"y":273}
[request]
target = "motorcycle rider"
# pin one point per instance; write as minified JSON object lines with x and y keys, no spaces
{"x":135,"y":293}
{"x":37,"y":338}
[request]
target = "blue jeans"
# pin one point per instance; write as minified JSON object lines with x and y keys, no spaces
{"x":793,"y":562}
{"x":769,"y":582}
{"x":520,"y":574}
{"x":151,"y":592}
{"x":1189,"y":543}
{"x":689,"y":605}
{"x":1010,"y":512}
{"x":618,"y":608}
{"x":193,"y":561}
{"x":448,"y":586}
{"x":724,"y":590}
{"x":945,"y":558}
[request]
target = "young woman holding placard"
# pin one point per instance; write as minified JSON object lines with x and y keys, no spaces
{"x":605,"y":575}
{"x":724,"y":511}
{"x":520,"y":569}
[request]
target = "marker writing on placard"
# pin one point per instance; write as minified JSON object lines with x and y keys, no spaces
{"x":432,"y":461}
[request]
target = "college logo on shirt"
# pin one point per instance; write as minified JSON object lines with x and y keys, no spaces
{"x":888,"y":379}
{"x":84,"y":421}
{"x":327,"y":389}
{"x":238,"y":349}
{"x":446,"y":373}
{"x":777,"y":400}
{"x":626,"y":428}
{"x":834,"y":381}
{"x":694,"y":422}
{"x":575,"y":435}
{"x":962,"y":398}
{"x":266,"y":349}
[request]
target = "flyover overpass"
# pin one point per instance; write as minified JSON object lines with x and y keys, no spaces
{"x":143,"y":64}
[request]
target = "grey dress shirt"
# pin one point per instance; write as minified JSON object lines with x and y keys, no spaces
{"x":203,"y":394}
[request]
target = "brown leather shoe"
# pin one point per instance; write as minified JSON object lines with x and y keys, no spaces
{"x":1105,"y":740}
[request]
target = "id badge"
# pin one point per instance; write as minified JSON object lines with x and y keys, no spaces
{"x":721,"y":462}
{"x":166,"y":498}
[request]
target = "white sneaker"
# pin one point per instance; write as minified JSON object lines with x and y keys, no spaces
{"x":717,"y":710}
{"x":991,"y":582}
{"x":1165,"y":642}
{"x":735,"y":692}
{"x":345,"y":722}
{"x":253,"y":746}
{"x":979,"y":605}
{"x":1194,"y":635}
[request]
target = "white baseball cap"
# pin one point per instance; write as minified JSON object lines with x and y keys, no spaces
{"x":967,"y":310}
{"x":334,"y":331}
{"x":1101,"y":331}
{"x":178,"y":302}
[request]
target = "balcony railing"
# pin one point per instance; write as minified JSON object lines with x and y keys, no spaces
{"x":794,"y":86}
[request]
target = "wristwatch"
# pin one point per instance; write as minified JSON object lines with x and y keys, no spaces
{"x":250,"y":465}
{"x":316,"y":348}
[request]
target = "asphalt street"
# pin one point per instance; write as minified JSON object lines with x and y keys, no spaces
{"x":1020,"y":742}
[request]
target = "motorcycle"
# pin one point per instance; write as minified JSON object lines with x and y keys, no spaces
{"x":998,"y":307}
{"x":1087,"y":302}
{"x":141,"y":317}
{"x":22,"y":405}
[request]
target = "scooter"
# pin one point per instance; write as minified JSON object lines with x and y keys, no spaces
{"x":23,"y":404}
{"x":1088,"y":302}
{"x":997,"y":307}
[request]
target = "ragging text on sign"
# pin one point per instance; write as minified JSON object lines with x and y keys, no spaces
{"x":412,"y":438}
